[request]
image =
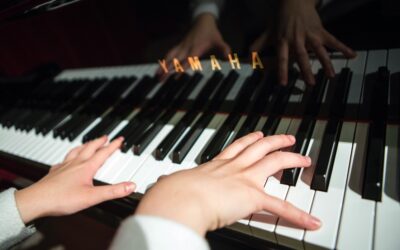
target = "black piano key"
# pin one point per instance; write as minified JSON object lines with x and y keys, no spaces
{"x":169,"y":141}
{"x":111,"y":121}
{"x":50,"y":124}
{"x":132,"y":137}
{"x":257,"y":107}
{"x":394,"y":106}
{"x":62,"y":130}
{"x":149,"y":106}
{"x":241,"y":103}
{"x":331,"y":136}
{"x":217,"y":143}
{"x":326,"y":156}
{"x":141,"y":144}
{"x":291,"y":175}
{"x":304,"y":133}
{"x":183,"y":148}
{"x":162,"y":108}
{"x":248,"y":126}
{"x":174,"y":94}
{"x":77,"y":130}
{"x":144,"y":140}
{"x":279,"y":105}
{"x":373,"y":170}
{"x":127,"y":130}
{"x":100,"y":129}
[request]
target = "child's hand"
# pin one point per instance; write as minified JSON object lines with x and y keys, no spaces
{"x":228,"y":188}
{"x":68,"y":187}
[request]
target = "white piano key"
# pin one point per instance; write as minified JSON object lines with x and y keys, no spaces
{"x":387,"y":221}
{"x":242,"y":225}
{"x":108,"y":165}
{"x":263,"y":224}
{"x":301,"y":195}
{"x":327,"y":206}
{"x":357,"y":220}
{"x":28,"y":139}
{"x":56,"y":156}
{"x":139,"y":172}
{"x":126,"y":172}
{"x":156,"y":169}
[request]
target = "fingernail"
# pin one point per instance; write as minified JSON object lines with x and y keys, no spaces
{"x":121,"y":138}
{"x":130,"y":187}
{"x":292,"y":138}
{"x":308,"y":159}
{"x":315,"y":223}
{"x":260,"y":134}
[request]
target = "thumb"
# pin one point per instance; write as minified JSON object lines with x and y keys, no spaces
{"x":110,"y":192}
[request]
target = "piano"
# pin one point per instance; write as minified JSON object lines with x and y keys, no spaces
{"x":348,"y":125}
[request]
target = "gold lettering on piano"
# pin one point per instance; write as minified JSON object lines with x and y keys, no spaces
{"x":178,"y":66}
{"x":214,"y":63}
{"x":256,"y":61}
{"x":235,"y":64}
{"x":163,"y":64}
{"x":195,"y":63}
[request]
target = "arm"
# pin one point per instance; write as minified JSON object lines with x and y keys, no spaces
{"x":207,"y":6}
{"x":12,"y":229}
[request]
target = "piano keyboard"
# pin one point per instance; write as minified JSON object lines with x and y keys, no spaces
{"x":349,"y":126}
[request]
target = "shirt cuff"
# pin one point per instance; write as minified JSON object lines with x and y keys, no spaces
{"x":211,"y":8}
{"x":151,"y":233}
{"x":12,"y":228}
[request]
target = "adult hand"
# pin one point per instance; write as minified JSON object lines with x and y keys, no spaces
{"x":294,"y":28}
{"x":68,"y":187}
{"x":229,"y":187}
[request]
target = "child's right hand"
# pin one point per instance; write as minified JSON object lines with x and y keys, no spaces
{"x":228,"y":188}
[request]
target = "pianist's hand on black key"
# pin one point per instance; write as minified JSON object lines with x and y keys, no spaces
{"x":229,"y":187}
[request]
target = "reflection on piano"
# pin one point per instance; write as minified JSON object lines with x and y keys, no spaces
{"x":348,"y":125}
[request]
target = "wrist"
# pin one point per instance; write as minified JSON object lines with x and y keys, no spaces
{"x":191,"y":218}
{"x":180,"y":207}
{"x":29,"y":204}
{"x":205,"y":19}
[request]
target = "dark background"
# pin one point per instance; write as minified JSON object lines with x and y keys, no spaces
{"x":94,"y":33}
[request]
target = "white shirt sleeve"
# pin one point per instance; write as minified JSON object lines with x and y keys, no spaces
{"x":153,"y":233}
{"x":12,"y":228}
{"x":207,"y":6}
